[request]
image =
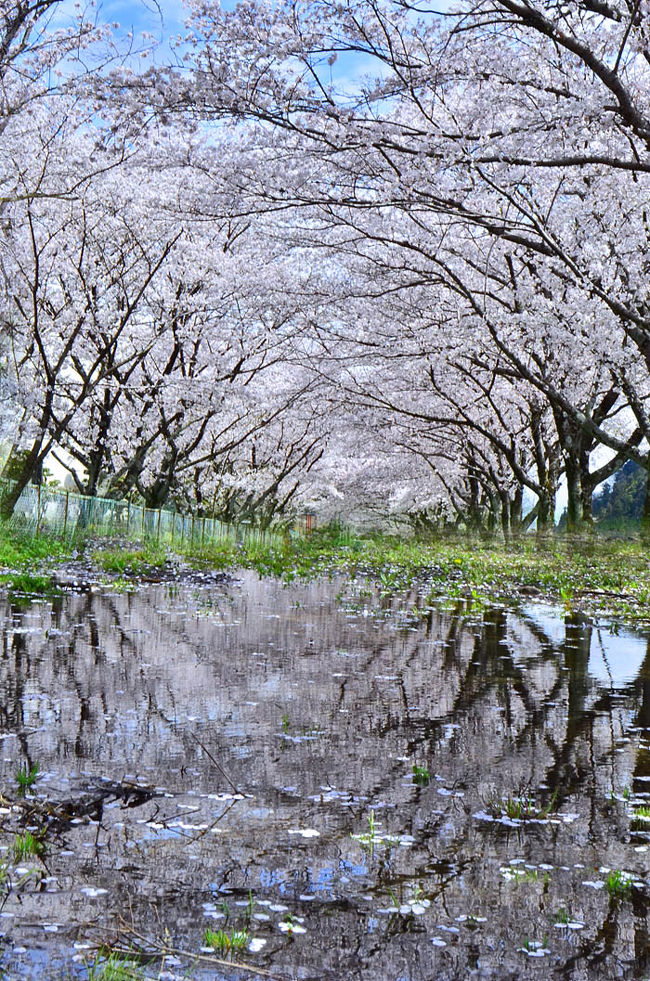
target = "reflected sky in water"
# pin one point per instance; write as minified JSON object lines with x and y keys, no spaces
{"x":277,"y":729}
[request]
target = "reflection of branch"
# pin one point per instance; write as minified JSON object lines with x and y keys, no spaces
{"x":604,"y":656}
{"x":158,"y":948}
{"x":218,"y":765}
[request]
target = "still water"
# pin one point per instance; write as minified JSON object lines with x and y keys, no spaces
{"x":276,"y":730}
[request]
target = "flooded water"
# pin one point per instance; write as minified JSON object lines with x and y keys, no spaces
{"x":275,"y":731}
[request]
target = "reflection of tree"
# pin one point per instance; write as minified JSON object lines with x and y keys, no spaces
{"x":642,"y":721}
{"x":116,"y":665}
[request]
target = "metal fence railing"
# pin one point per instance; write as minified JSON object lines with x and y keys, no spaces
{"x":48,"y":510}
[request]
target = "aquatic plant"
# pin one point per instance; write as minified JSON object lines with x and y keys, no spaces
{"x":291,"y":924}
{"x":250,"y":907}
{"x":421,"y":775}
{"x":522,"y":873}
{"x":519,"y":808}
{"x":26,"y":777}
{"x":224,"y":942}
{"x":535,"y":948}
{"x":619,"y":883}
{"x":27,"y":845}
{"x":373,"y":836}
{"x":640,"y":820}
{"x":114,"y":967}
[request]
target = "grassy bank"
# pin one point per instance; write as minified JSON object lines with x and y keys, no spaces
{"x":25,"y":561}
{"x":595,"y":574}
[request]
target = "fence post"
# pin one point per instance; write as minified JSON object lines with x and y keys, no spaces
{"x":65,"y":513}
{"x":192,"y":532}
{"x":38,"y":508}
{"x":143,"y":518}
{"x":173,"y":525}
{"x":128,"y":517}
{"x":158,"y":529}
{"x":203,"y":533}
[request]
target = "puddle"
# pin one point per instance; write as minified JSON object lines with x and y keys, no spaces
{"x":347,"y":789}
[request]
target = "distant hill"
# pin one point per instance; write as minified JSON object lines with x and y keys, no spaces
{"x":621,"y":502}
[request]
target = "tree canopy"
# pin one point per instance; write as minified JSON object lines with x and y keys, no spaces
{"x":334,"y":255}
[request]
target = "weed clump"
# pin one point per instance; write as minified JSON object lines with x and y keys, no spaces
{"x":421,"y":776}
{"x":619,"y":883}
{"x":114,"y":967}
{"x":225,"y":942}
{"x":28,"y":845}
{"x":26,"y":777}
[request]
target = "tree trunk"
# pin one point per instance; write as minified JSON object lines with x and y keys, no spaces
{"x":9,"y":497}
{"x":577,"y":519}
{"x":645,"y":514}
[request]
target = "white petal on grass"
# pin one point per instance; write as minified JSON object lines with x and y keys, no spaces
{"x":305,"y":832}
{"x":256,"y":945}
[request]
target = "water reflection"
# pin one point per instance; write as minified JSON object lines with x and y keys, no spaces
{"x":274,"y":723}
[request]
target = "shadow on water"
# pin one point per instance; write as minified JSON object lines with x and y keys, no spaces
{"x":241,"y":758}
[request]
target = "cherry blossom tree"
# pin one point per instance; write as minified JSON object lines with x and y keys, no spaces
{"x":523,"y":124}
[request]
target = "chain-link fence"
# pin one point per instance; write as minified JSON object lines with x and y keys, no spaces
{"x":49,"y":510}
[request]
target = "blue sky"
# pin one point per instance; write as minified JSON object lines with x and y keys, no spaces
{"x":161,"y":18}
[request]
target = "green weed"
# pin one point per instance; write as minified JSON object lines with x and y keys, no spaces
{"x":618,"y":883}
{"x":26,"y":777}
{"x":640,"y":820}
{"x":29,"y":584}
{"x":133,"y":561}
{"x":27,"y":845}
{"x":225,"y":942}
{"x":421,"y":775}
{"x":374,"y":836}
{"x":114,"y":967}
{"x":20,"y":551}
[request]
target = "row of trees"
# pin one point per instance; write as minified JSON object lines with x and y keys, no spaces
{"x":358,"y":253}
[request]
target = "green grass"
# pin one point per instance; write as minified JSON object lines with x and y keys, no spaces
{"x":592,"y":575}
{"x":225,"y":942}
{"x":27,"y":845}
{"x":22,"y":556}
{"x":134,"y":561}
{"x":20,"y":551}
{"x":520,"y":806}
{"x":421,"y":775}
{"x":618,"y":883}
{"x":26,"y":777}
{"x":640,"y":819}
{"x":114,"y":967}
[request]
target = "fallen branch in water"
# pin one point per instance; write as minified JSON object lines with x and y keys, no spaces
{"x":154,"y":949}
